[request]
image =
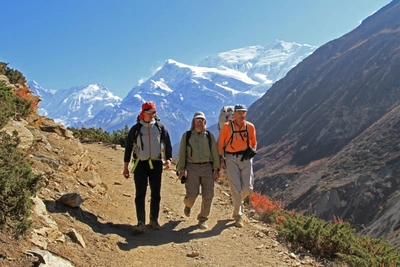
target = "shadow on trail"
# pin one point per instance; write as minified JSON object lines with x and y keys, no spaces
{"x":90,"y":219}
{"x":150,"y":237}
{"x":167,"y":234}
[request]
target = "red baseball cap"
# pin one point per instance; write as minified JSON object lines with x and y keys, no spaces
{"x":149,"y":106}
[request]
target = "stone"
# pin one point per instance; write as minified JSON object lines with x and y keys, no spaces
{"x":73,"y":200}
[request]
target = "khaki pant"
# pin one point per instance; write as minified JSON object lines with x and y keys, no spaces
{"x":200,"y":175}
{"x":240,"y":179}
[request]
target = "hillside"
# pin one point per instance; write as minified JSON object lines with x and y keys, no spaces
{"x":106,"y":217}
{"x":327,"y":139}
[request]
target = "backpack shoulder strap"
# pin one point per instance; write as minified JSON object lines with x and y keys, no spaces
{"x":209,"y":138}
{"x":247,"y":134}
{"x":240,"y":132}
{"x":136,"y":128}
{"x":159,"y":126}
{"x":188,"y":134}
{"x":136,"y":132}
{"x":230,"y":140}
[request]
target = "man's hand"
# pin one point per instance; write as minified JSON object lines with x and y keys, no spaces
{"x":180,"y":175}
{"x":216,"y":176}
{"x":126,"y":170}
{"x":222,"y":162}
{"x":126,"y":173}
{"x":167,"y":164}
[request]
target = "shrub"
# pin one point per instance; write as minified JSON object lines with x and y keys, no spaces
{"x":324,"y":239}
{"x":264,"y":206}
{"x":3,"y":67}
{"x":119,"y":136}
{"x":12,"y":105}
{"x":99,"y":135}
{"x":335,"y":240}
{"x":17,"y":185}
{"x":14,"y":76}
{"x":369,"y":251}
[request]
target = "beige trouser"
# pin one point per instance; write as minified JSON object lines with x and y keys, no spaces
{"x":200,"y":175}
{"x":240,"y":179}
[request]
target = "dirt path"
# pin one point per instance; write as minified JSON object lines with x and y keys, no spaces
{"x":179,"y":242}
{"x":106,"y":218}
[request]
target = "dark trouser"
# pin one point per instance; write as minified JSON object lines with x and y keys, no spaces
{"x":142,"y":174}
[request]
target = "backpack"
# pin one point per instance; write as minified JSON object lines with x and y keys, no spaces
{"x":225,"y":114}
{"x":245,"y":131}
{"x":189,"y":133}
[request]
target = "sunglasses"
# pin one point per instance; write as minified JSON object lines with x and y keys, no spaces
{"x":199,"y":119}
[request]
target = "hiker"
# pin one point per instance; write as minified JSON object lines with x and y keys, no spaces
{"x":236,"y":147}
{"x":144,"y":139}
{"x":198,"y":156}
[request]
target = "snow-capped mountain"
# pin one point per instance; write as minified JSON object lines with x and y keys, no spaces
{"x":179,"y":90}
{"x":264,"y":64}
{"x":74,"y":106}
{"x":237,"y":76}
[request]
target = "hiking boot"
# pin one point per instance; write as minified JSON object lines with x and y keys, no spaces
{"x":239,"y":222}
{"x":202,"y":225}
{"x":139,"y":228}
{"x":155,"y":225}
{"x":187,"y":211}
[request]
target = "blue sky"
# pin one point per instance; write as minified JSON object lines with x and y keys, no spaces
{"x":66,"y":43}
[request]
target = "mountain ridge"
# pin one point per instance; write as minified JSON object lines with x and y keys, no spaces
{"x":73,"y":103}
{"x":179,"y":89}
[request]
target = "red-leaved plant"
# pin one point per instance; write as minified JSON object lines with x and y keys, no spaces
{"x":264,"y":206}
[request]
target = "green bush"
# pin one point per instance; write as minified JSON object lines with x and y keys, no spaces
{"x":17,"y":185}
{"x":3,"y":68}
{"x":119,"y":136}
{"x":336,"y":241}
{"x":90,"y":135}
{"x":17,"y":181}
{"x":12,"y":105}
{"x":14,"y":76}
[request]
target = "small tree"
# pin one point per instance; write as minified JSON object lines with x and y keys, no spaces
{"x":14,"y":76}
{"x":11,"y":105}
{"x":119,"y":136}
{"x":90,"y":135}
{"x":3,"y":67}
{"x":17,"y":185}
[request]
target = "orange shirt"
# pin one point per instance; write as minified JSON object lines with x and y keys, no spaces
{"x":239,"y":140}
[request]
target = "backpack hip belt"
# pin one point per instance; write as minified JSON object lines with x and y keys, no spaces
{"x":149,"y":160}
{"x":235,"y":153}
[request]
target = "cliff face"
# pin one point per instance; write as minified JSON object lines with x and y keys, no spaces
{"x":327,"y":143}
